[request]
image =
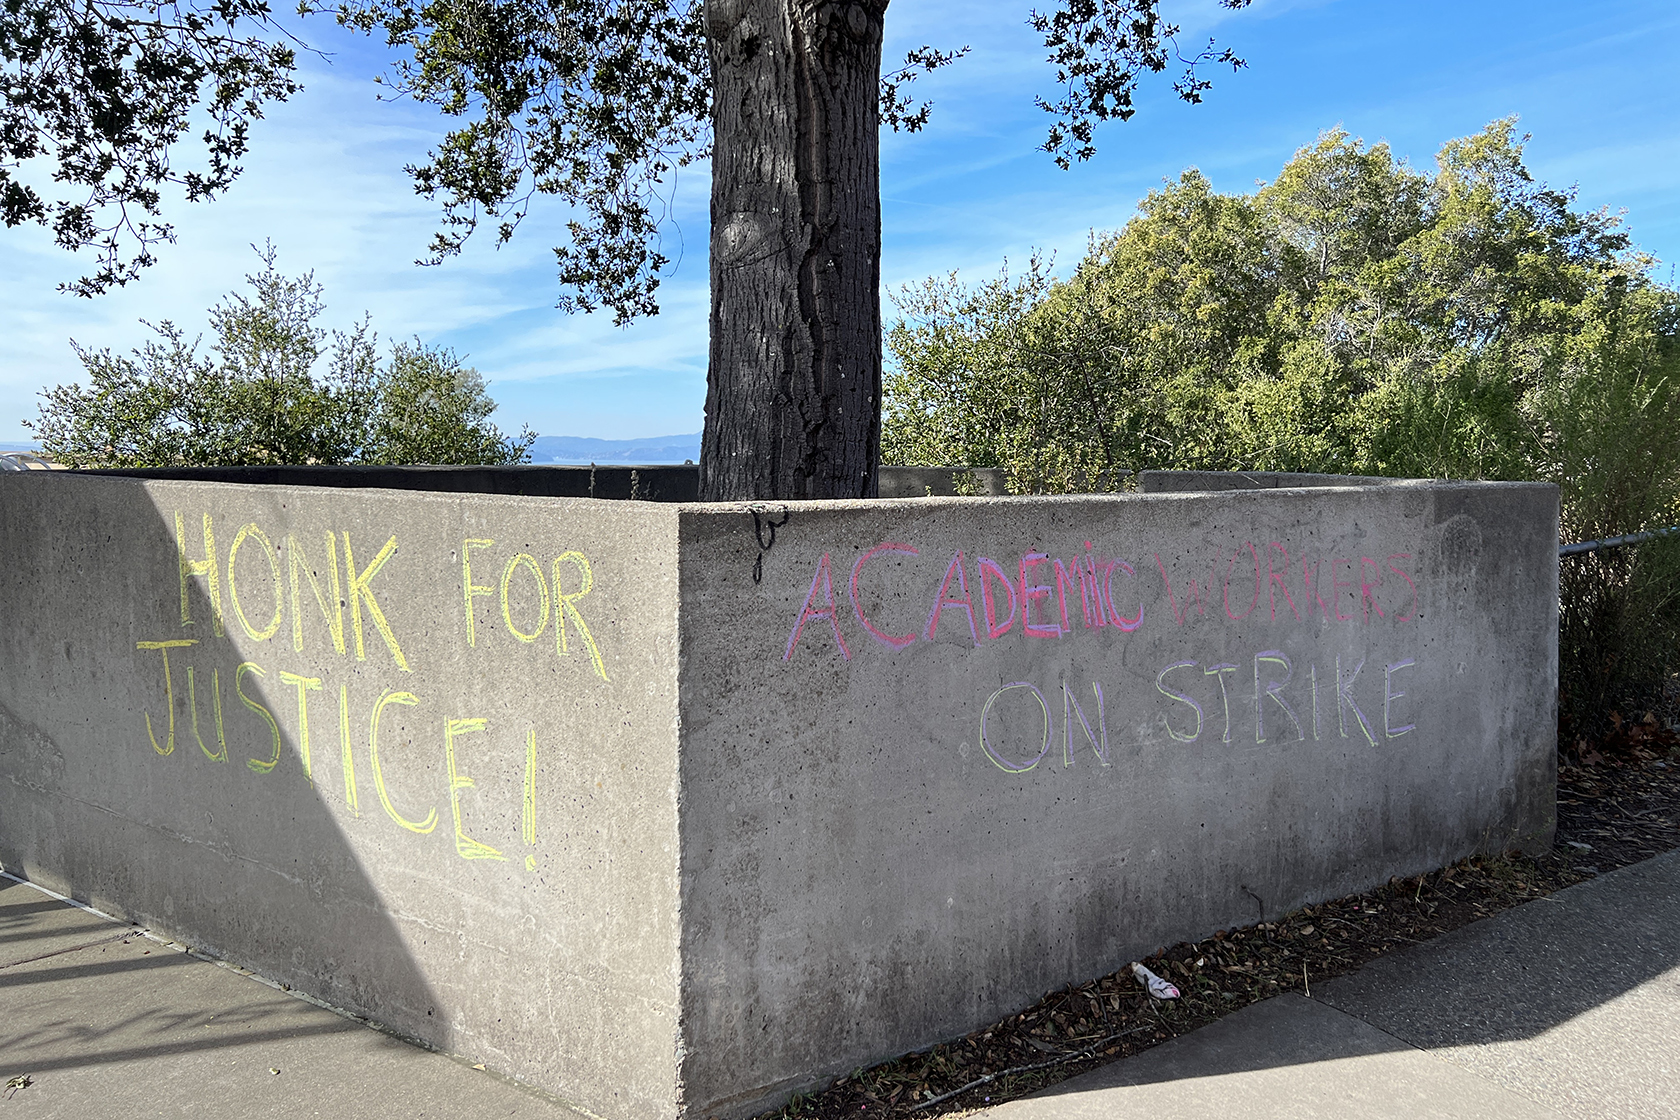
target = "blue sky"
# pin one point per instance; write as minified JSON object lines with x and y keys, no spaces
{"x":1593,"y":84}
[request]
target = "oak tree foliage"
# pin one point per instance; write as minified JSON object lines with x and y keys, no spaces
{"x":1099,"y":49}
{"x":596,"y":101}
{"x":601,"y":102}
{"x":98,"y":95}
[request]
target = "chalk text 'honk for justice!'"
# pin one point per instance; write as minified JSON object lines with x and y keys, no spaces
{"x":246,"y":590}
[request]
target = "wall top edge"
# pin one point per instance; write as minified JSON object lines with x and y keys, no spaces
{"x":928,"y":502}
{"x":454,"y":497}
{"x":1016,"y":501}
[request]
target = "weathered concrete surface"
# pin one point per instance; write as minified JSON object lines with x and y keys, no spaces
{"x":823,"y":784}
{"x":868,"y":868}
{"x":495,"y":874}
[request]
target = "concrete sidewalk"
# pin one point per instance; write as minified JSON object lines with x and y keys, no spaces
{"x":1568,"y":1006}
{"x":108,"y":1022}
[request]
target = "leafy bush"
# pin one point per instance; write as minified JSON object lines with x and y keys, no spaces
{"x":262,"y":397}
{"x":1353,"y":316}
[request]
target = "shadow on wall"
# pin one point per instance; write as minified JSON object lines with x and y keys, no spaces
{"x":309,"y":729}
{"x":240,"y":770}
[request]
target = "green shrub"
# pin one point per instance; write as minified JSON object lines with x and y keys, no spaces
{"x":1354,"y":316}
{"x":267,"y":396}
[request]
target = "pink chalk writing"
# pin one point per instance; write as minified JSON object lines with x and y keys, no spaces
{"x":1258,"y":583}
{"x":888,"y":640}
{"x":990,"y":575}
{"x":1124,"y":623}
{"x":1409,"y":583}
{"x":1076,"y":579}
{"x":1365,"y":586}
{"x":1042,"y":591}
{"x":1193,"y":593}
{"x":1032,"y":593}
{"x":942,"y":603}
{"x":826,"y":611}
{"x":1275,"y":581}
{"x":1311,"y":582}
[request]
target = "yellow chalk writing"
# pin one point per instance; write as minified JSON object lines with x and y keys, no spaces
{"x":267,"y":632}
{"x":296,"y":560}
{"x":468,"y":587}
{"x":257,"y":765}
{"x":408,"y":699}
{"x":206,"y":567}
{"x":361,"y":593}
{"x":168,"y":690}
{"x":305,"y":685}
{"x":524,"y":559}
{"x":465,"y":846}
{"x":567,"y":606}
{"x":528,"y":818}
{"x":529,"y":823}
{"x":216,"y":707}
{"x":348,"y":759}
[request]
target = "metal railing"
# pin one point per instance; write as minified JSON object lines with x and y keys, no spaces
{"x":1614,"y":542}
{"x":23,"y":461}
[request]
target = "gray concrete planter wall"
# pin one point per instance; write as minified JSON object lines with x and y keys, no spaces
{"x":672,"y":814}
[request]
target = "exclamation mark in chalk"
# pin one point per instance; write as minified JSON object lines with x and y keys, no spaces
{"x":530,"y":815}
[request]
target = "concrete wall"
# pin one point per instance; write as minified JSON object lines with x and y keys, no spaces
{"x":846,"y":779}
{"x":516,"y":902}
{"x":942,"y":482}
{"x":897,"y":827}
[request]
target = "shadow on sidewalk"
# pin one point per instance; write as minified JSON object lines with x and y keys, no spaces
{"x":1509,"y":978}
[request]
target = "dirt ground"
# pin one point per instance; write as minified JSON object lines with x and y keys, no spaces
{"x":1618,"y":803}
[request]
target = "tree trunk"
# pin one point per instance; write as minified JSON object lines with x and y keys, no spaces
{"x":793,"y":393}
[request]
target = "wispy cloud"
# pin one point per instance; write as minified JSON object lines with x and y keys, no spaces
{"x":325,"y":181}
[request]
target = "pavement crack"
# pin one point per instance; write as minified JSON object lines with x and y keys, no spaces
{"x":127,"y":933}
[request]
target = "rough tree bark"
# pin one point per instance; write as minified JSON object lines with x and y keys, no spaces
{"x":794,"y":384}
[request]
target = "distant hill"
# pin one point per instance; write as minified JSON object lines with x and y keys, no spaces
{"x":583,"y":449}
